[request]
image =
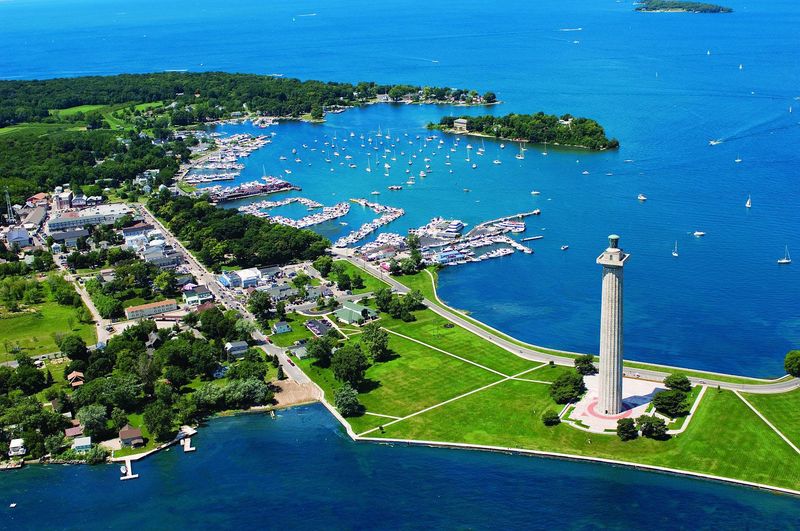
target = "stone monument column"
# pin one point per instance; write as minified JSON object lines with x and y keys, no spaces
{"x":613,"y":259}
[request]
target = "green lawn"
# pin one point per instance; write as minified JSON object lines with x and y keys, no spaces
{"x":71,"y":111}
{"x":33,"y":331}
{"x":430,"y":329}
{"x":299,"y":331}
{"x":509,"y":415}
{"x":371,"y":283}
{"x":782,"y":410}
{"x":136,"y":421}
{"x":416,"y":378}
{"x":39,"y":129}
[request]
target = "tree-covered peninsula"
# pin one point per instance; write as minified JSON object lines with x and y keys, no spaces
{"x":200,"y":97}
{"x":535,"y":128}
{"x":675,"y":6}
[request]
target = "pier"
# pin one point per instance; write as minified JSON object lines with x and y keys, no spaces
{"x":128,"y":472}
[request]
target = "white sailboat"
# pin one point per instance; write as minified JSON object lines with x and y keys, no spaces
{"x":749,"y":202}
{"x":369,"y":167}
{"x":786,"y":260}
{"x":675,"y":249}
{"x":545,"y":148}
{"x":521,"y":154}
{"x":738,"y":159}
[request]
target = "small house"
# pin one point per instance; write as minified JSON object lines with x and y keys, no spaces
{"x":460,"y":125}
{"x":82,"y":444}
{"x":237,"y":349}
{"x":75,"y":431}
{"x":75,"y":379}
{"x":130,"y":436}
{"x":281,"y":327}
{"x":17,"y":448}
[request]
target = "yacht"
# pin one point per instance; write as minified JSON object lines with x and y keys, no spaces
{"x":675,"y":249}
{"x":496,"y":161}
{"x":786,"y":260}
{"x":564,"y":247}
{"x":641,"y":197}
{"x":698,"y":234}
{"x":535,"y":192}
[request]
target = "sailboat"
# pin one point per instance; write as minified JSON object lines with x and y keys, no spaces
{"x":369,"y":167}
{"x":749,"y":203}
{"x":675,"y":249}
{"x":738,"y":159}
{"x":521,"y":154}
{"x":545,"y":148}
{"x":786,"y":260}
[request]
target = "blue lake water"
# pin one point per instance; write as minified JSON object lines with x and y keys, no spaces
{"x":722,"y":305}
{"x":664,"y":84}
{"x":302,"y":472}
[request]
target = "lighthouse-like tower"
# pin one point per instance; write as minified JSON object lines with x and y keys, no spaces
{"x":613,"y":259}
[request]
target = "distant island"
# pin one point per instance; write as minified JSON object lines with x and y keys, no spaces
{"x":675,"y":6}
{"x":536,"y":128}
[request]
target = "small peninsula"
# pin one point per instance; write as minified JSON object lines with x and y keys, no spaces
{"x":536,"y":128}
{"x":675,"y":6}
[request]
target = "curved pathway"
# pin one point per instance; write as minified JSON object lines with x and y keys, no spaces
{"x":769,"y":387}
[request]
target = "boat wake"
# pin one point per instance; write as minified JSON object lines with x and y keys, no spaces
{"x":570,"y":29}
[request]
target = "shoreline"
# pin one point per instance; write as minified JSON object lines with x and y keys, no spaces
{"x":476,"y":134}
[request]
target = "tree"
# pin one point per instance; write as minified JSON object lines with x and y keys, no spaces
{"x":158,"y":420}
{"x":652,"y":427}
{"x":585,"y":365}
{"x":490,"y":97}
{"x":679,"y":382}
{"x":119,"y":418}
{"x":344,"y":282}
{"x":281,"y":375}
{"x":792,"y":363}
{"x":74,"y":347}
{"x":551,"y":418}
{"x":345,"y":398}
{"x":671,"y":403}
{"x":316,"y":112}
{"x":321,"y":349}
{"x":376,"y":341}
{"x":626,"y":429}
{"x":349,"y":364}
{"x":358,"y":281}
{"x":323,"y":264}
{"x":567,"y":387}
{"x":280,"y":311}
{"x":26,"y":377}
{"x":166,"y":282}
{"x":53,"y":443}
{"x":383,"y":299}
{"x":260,"y":305}
{"x":93,"y":418}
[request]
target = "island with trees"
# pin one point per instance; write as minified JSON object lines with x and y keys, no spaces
{"x":676,"y":6}
{"x":536,"y":128}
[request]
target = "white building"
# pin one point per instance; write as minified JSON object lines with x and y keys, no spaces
{"x":17,"y":448}
{"x":98,"y":215}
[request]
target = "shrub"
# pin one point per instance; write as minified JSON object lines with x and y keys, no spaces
{"x":626,"y":429}
{"x":551,"y":418}
{"x":567,"y":387}
{"x":678,"y":381}
{"x":792,"y":362}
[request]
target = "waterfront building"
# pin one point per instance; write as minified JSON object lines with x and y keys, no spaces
{"x":17,"y":447}
{"x":613,"y":259}
{"x":153,"y":308}
{"x":460,"y":125}
{"x":82,"y":444}
{"x":131,"y":437}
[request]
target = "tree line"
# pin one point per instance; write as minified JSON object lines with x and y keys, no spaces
{"x":537,"y":128}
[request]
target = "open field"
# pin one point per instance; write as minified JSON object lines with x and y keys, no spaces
{"x":71,"y":111}
{"x":33,"y":331}
{"x":509,"y":415}
{"x":39,"y":129}
{"x":782,"y":410}
{"x":371,"y":283}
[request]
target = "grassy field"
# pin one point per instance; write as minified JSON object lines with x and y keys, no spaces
{"x":39,"y":129}
{"x":782,"y":410}
{"x":509,"y":415}
{"x":434,"y":330}
{"x":33,"y":331}
{"x":71,"y":111}
{"x":299,"y":331}
{"x":371,"y":283}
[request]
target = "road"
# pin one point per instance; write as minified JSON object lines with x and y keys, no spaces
{"x":781,"y":386}
{"x":222,"y":296}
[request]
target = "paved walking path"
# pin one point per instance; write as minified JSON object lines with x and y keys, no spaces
{"x":762,"y":417}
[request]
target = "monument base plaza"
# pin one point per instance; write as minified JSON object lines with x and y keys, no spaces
{"x":636,"y":396}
